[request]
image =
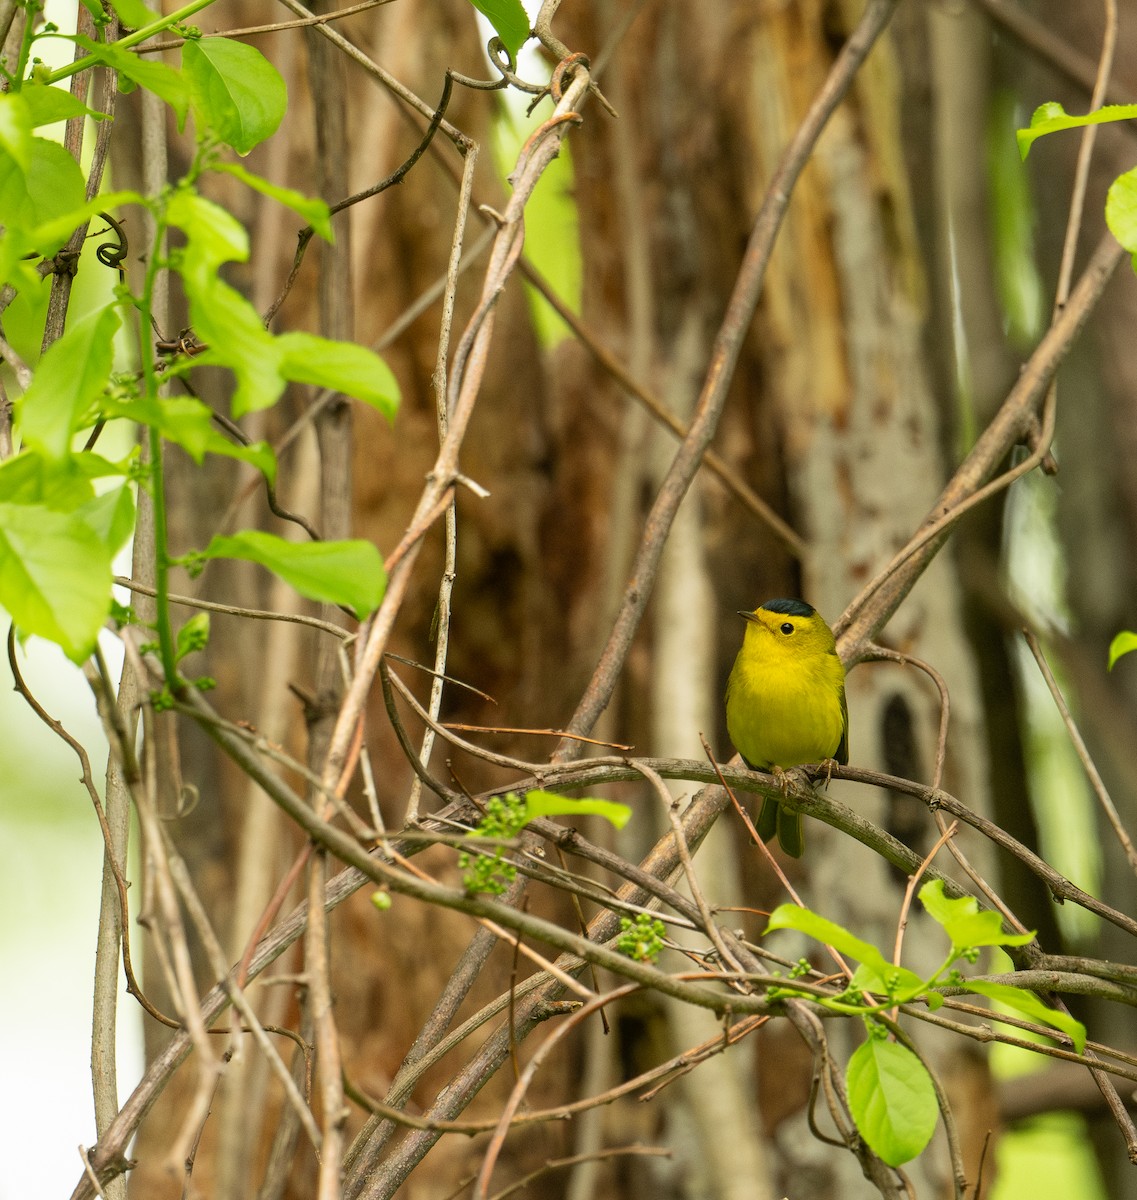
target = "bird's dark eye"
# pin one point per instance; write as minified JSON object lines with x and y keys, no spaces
{"x":787,"y":627}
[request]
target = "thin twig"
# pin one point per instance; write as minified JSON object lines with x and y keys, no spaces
{"x":1082,"y":751}
{"x":439,"y":385}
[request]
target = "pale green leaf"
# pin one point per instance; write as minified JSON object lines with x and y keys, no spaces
{"x":964,"y":923}
{"x":1052,"y":118}
{"x":189,"y":423}
{"x":1121,"y":210}
{"x":1029,"y":1005}
{"x":15,"y":128}
{"x":343,"y":366}
{"x":70,"y":377}
{"x":312,"y":209}
{"x":111,"y":517}
{"x":1121,"y":644}
{"x":346,"y":572}
{"x":540,"y":803}
{"x":898,"y":984}
{"x":165,"y":82}
{"x":213,"y":235}
{"x":222,"y":317}
{"x":51,"y":186}
{"x":27,"y":478}
{"x":509,"y":20}
{"x":829,"y":933}
{"x":193,"y":636}
{"x":133,"y":13}
{"x":48,"y":104}
{"x":237,"y":93}
{"x":892,"y":1099}
{"x":55,"y":576}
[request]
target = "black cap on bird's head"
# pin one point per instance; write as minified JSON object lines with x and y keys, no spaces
{"x":789,"y":608}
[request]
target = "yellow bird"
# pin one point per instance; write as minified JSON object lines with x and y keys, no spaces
{"x":785,"y":702}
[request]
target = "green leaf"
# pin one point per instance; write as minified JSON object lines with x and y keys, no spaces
{"x":71,"y":376}
{"x":237,"y":93}
{"x":898,"y":984}
{"x":1121,"y":644}
{"x":193,"y":635}
{"x":232,"y":329}
{"x":1121,"y":210}
{"x":189,"y":423}
{"x":343,"y":366}
{"x":1029,"y":1005}
{"x":27,"y":478}
{"x":892,"y":1100}
{"x":110,"y":517}
{"x":1052,"y":117}
{"x":166,"y":83}
{"x":57,"y":225}
{"x":47,"y":104}
{"x":548,"y":804}
{"x":133,"y":13}
{"x":214,"y":236}
{"x":16,"y":128}
{"x":829,"y":933}
{"x":51,"y":185}
{"x":312,"y":209}
{"x":964,"y":923}
{"x":55,"y":576}
{"x":222,"y":317}
{"x":509,"y":20}
{"x":347,"y":572}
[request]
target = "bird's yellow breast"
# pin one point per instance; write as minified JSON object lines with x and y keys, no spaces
{"x":784,"y":709}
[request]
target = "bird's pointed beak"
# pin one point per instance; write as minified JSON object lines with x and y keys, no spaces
{"x":749,"y":616}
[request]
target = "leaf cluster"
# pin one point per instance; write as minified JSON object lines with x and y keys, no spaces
{"x":891,"y":1094}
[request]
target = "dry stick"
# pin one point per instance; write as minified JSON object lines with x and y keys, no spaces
{"x":234,"y":610}
{"x":220,"y":967}
{"x":671,"y":806}
{"x":463,"y":389}
{"x":885,"y":654}
{"x":809,"y":1028}
{"x":840,"y":816}
{"x":250,"y":30}
{"x":1085,"y":153}
{"x":1080,"y":748}
{"x":67,"y":258}
{"x":724,"y":357}
{"x":730,"y":479}
{"x":183,"y":985}
{"x":910,"y":891}
{"x":1015,"y":420}
{"x":665,"y":1072}
{"x":879,"y":599}
{"x":574,"y":1160}
{"x":438,"y":383}
{"x":383,"y":1122}
{"x":509,"y":1109}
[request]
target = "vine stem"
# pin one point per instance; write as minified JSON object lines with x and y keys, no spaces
{"x":131,"y":39}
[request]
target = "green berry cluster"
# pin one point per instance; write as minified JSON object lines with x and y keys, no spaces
{"x":487,"y":871}
{"x":641,"y":937}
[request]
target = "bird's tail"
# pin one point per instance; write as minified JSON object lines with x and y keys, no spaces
{"x":776,"y":821}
